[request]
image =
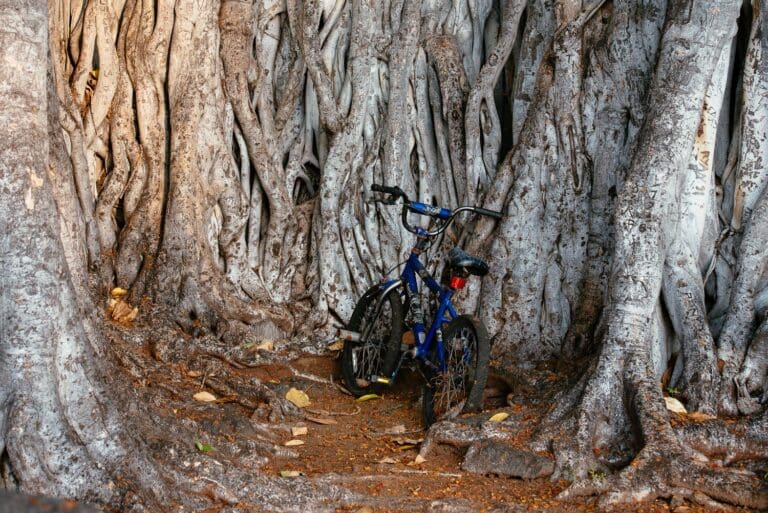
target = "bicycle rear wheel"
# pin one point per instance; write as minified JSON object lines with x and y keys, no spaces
{"x":378,"y":352}
{"x":460,"y":388}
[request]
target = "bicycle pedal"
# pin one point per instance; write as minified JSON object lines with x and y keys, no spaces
{"x":380,"y":379}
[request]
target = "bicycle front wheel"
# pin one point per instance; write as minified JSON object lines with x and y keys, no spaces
{"x":460,"y":387}
{"x":377,"y":353}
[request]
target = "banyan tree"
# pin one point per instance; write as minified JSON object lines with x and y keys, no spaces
{"x":213,"y":158}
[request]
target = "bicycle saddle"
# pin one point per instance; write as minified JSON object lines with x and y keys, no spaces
{"x":473,"y":265}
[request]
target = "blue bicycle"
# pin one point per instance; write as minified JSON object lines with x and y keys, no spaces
{"x":388,"y":324}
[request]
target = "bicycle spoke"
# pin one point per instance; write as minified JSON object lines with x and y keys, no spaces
{"x":368,"y":356}
{"x":450,"y":387}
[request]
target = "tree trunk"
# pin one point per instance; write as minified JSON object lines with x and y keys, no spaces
{"x":214,"y":158}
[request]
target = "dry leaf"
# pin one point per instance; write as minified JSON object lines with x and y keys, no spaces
{"x":407,"y":441}
{"x":367,"y":397}
{"x":499,"y":417}
{"x":321,"y":420}
{"x":194,"y":373}
{"x":405,"y":447}
{"x":336,"y":346}
{"x":388,"y":460}
{"x":419,"y":459}
{"x":365,"y":509}
{"x":204,"y":396}
{"x":290,"y":473}
{"x":118,"y":292}
{"x":122,"y":312}
{"x":294,"y":442}
{"x":395,"y":430}
{"x":266,"y":345}
{"x":297,"y":397}
{"x":674,"y":405}
{"x":299,"y":430}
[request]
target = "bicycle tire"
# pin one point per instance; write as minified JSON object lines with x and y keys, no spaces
{"x":467,"y":353}
{"x":379,"y":354}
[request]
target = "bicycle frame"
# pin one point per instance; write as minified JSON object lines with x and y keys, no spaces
{"x":423,"y":338}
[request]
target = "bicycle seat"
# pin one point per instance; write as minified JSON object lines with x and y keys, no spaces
{"x":472,"y":264}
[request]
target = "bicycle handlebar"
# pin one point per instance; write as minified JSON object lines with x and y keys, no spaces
{"x":394,"y":191}
{"x":428,"y":210}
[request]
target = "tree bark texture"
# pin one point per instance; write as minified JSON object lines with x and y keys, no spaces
{"x":215,"y":157}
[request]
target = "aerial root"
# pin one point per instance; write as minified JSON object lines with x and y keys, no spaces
{"x":463,"y":432}
{"x":673,"y":472}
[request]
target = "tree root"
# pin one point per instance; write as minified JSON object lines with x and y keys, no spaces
{"x":674,"y":471}
{"x":464,"y":432}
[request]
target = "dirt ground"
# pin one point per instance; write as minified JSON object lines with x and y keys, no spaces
{"x":370,"y":447}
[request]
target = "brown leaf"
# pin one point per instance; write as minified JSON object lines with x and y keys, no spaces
{"x":122,"y":312}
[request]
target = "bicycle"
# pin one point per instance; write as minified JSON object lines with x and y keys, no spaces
{"x":388,"y":325}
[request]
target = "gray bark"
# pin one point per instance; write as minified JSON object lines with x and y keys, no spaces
{"x":215,"y":158}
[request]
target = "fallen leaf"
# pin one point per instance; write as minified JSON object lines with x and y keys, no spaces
{"x":122,"y":312}
{"x":388,"y":461}
{"x":266,"y":345}
{"x":294,"y":442}
{"x":297,"y":397}
{"x":204,"y":396}
{"x":118,"y":292}
{"x":336,"y":346}
{"x":321,"y":420}
{"x":367,"y":397}
{"x":407,"y":441}
{"x":499,"y":417}
{"x":290,"y":473}
{"x":674,"y":405}
{"x":419,"y":459}
{"x":395,"y":430}
{"x":299,"y":430}
{"x":405,"y":447}
{"x":203,"y":447}
{"x":194,"y":373}
{"x":364,"y":509}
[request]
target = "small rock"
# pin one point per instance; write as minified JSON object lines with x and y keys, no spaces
{"x":676,"y":502}
{"x":498,"y":458}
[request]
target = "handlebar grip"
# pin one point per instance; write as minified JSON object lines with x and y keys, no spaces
{"x":375,"y":187}
{"x":489,"y":213}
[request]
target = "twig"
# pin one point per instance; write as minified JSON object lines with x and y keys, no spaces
{"x":309,"y":377}
{"x":225,"y":359}
{"x":409,"y":432}
{"x":334,"y":413}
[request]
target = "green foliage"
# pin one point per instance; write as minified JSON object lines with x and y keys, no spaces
{"x":203,"y":447}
